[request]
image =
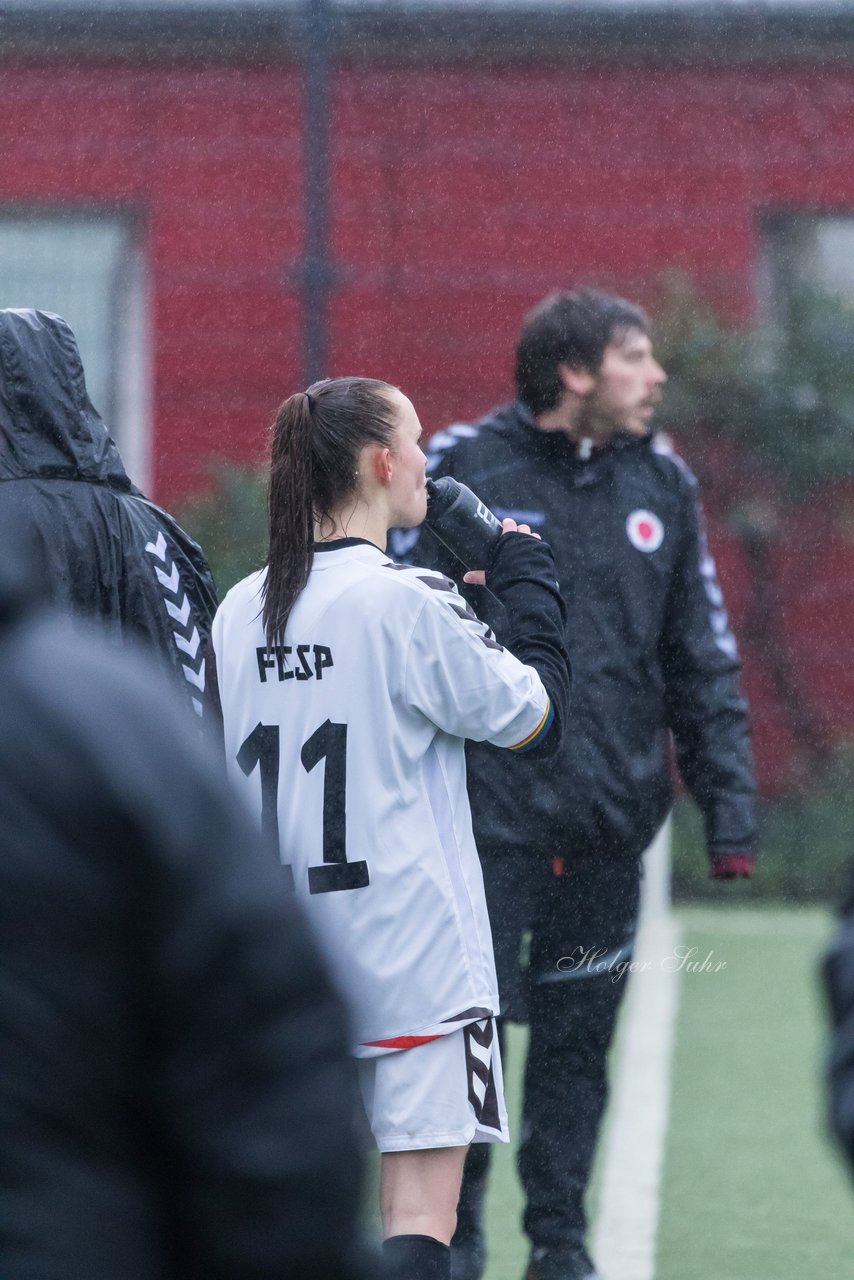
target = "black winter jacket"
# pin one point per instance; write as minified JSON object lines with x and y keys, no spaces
{"x":176,"y":1097}
{"x":107,"y":551}
{"x":651,"y":649}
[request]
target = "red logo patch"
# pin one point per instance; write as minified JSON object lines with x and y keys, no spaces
{"x":645,"y":530}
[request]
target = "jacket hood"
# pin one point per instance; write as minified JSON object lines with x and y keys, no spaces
{"x":48,"y":426}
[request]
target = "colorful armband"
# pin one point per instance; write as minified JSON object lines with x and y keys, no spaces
{"x":533,"y":739}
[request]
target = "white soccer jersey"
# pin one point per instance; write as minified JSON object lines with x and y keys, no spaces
{"x":348,"y":741}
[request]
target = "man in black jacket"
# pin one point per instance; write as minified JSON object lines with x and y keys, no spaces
{"x":107,"y":552}
{"x":176,"y":1098}
{"x":653,"y":656}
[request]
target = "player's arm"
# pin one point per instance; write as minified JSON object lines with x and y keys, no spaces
{"x":168,"y":595}
{"x":522,"y":576}
{"x":706,"y":711}
{"x":468,"y":684}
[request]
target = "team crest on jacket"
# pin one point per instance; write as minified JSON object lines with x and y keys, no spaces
{"x":645,"y":530}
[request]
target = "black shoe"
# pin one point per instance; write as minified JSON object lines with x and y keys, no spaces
{"x":571,"y":1263}
{"x":468,"y":1257}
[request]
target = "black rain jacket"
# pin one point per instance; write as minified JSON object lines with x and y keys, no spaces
{"x":649,"y":640}
{"x":107,"y":551}
{"x":176,"y":1097}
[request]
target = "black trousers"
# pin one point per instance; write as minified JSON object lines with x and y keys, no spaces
{"x":581,"y":914}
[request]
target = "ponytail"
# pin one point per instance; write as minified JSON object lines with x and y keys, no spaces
{"x":318,"y":436}
{"x":290,"y":515}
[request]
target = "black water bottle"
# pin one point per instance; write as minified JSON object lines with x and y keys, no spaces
{"x":462,"y":522}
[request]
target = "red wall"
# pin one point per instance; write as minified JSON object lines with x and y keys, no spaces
{"x":460,"y":196}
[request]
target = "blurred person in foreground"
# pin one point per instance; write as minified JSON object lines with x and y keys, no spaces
{"x":175,"y":1099}
{"x":653,"y":657}
{"x":839,"y":986}
{"x":107,"y":552}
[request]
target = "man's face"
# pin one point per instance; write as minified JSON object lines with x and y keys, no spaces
{"x":626,"y":389}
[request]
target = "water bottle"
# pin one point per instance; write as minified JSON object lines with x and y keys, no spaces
{"x":462,"y":522}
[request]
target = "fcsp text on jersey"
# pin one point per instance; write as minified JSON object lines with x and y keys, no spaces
{"x":305,"y":668}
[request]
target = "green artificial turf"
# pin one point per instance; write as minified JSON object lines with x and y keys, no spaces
{"x":751,"y":1189}
{"x":507,"y":1248}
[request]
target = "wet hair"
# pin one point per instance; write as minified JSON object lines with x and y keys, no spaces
{"x":568,"y":328}
{"x":318,"y":436}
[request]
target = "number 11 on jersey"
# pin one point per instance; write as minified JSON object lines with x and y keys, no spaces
{"x":328,"y":743}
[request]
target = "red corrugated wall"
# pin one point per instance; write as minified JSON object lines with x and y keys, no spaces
{"x":460,"y":196}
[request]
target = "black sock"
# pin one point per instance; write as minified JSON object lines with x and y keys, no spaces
{"x":417,"y":1257}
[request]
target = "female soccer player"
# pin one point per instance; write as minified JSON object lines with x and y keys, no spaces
{"x":347,"y":686}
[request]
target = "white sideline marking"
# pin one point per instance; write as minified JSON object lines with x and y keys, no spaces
{"x":627,"y":1222}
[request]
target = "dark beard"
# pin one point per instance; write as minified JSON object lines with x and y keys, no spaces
{"x":595,"y":426}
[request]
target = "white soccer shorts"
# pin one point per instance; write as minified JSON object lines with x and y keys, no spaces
{"x":445,"y":1093}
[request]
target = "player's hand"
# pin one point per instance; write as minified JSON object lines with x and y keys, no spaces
{"x":477,"y":577}
{"x":732,"y":866}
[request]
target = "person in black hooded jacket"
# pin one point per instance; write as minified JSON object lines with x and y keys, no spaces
{"x":654,"y":661}
{"x":106,"y":551}
{"x":176,"y":1097}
